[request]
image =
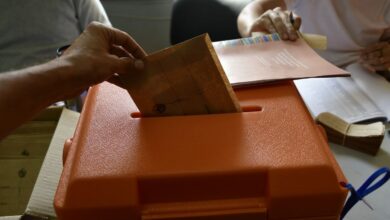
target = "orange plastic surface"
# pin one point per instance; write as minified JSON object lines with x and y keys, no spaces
{"x":269,"y":164}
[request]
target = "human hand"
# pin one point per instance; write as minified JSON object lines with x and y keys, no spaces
{"x":376,"y":57}
{"x":101,"y":53}
{"x":285,"y":23}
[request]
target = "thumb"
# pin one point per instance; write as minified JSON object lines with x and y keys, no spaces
{"x":129,"y":64}
{"x":297,"y":22}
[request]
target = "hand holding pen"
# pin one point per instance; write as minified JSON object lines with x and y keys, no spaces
{"x":285,"y":23}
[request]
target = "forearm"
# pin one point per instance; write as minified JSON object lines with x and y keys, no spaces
{"x":91,"y":59}
{"x":253,"y":11}
{"x":24,"y":93}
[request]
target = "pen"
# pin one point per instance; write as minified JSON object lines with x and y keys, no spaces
{"x":291,"y":18}
{"x":292,"y":21}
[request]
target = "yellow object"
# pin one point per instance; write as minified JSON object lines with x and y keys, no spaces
{"x":315,"y":41}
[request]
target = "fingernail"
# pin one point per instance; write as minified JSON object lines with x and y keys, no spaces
{"x":139,"y":64}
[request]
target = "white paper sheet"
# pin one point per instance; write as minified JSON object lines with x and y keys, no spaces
{"x":375,"y":86}
{"x":347,"y":97}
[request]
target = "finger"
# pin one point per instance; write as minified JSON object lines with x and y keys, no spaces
{"x":385,"y":59}
{"x":119,"y":51}
{"x":373,"y":61}
{"x":375,"y":54}
{"x":371,"y":55}
{"x":129,"y":44}
{"x":124,"y":65}
{"x":386,"y":51}
{"x":376,"y":65}
{"x":374,"y":47}
{"x":383,"y":65}
{"x":289,"y":22}
{"x":380,"y":67}
{"x":297,"y":21}
{"x":288,"y":27}
{"x":123,"y":39}
{"x":264,"y":23}
{"x":278,"y":23}
{"x":368,"y":67}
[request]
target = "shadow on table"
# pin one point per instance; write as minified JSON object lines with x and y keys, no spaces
{"x":380,"y":160}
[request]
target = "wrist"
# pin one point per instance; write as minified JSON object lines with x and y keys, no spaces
{"x":67,"y":77}
{"x":53,"y":81}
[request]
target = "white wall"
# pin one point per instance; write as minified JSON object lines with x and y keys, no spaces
{"x":147,"y":21}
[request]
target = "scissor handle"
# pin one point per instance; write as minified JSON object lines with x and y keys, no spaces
{"x":367,"y":188}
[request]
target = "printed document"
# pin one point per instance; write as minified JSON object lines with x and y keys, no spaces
{"x":364,"y":96}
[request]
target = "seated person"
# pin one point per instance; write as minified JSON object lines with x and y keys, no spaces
{"x":31,"y":31}
{"x":356,"y":33}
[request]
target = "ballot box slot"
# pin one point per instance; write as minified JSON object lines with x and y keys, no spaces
{"x":245,"y":109}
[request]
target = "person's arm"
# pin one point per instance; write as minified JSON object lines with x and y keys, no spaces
{"x":268,"y":16}
{"x":100,"y":53}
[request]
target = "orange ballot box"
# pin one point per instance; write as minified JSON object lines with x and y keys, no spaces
{"x":270,"y":161}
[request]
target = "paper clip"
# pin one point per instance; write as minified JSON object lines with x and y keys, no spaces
{"x":365,"y":189}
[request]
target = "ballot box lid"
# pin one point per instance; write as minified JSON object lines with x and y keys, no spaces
{"x":269,"y":162}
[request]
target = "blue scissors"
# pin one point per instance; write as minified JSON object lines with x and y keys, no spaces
{"x":367,"y":188}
